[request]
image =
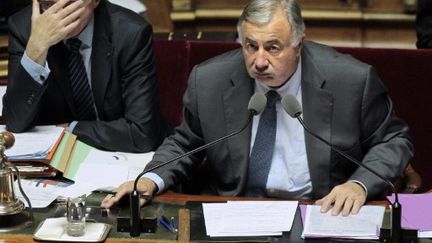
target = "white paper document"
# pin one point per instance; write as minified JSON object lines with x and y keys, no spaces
{"x":102,"y":170}
{"x":364,"y":225}
{"x":41,"y":192}
{"x":424,"y":234}
{"x":249,"y":218}
{"x":35,"y":143}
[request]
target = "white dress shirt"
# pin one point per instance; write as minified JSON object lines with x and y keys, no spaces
{"x":289,"y":172}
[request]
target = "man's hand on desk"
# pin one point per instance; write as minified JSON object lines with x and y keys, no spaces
{"x":145,"y":187}
{"x":346,"y":198}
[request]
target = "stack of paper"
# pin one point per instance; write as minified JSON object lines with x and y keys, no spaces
{"x":41,"y":192}
{"x":249,"y":218}
{"x":105,"y":170}
{"x":416,"y":212}
{"x":38,"y":143}
{"x":364,"y":225}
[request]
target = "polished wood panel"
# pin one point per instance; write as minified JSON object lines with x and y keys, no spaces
{"x":220,"y":4}
{"x":391,"y":6}
{"x":3,"y":58}
{"x":331,"y":4}
{"x":390,"y":35}
{"x":360,"y":23}
{"x":159,"y":15}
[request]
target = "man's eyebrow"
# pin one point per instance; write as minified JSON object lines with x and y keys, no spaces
{"x":250,"y":40}
{"x":274,"y":41}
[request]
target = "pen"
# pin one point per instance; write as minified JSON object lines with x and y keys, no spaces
{"x":174,"y":223}
{"x":166,"y":224}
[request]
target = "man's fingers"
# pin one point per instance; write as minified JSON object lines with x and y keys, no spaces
{"x":70,"y":9}
{"x":108,"y":201}
{"x":326,"y":203}
{"x":59,"y":5}
{"x":347,"y":206}
{"x":35,"y":9}
{"x":356,"y":206}
{"x":145,"y":187}
{"x":72,"y":17}
{"x":338,"y":205}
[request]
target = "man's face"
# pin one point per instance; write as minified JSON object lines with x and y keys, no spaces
{"x":86,"y":15}
{"x":269,"y":56}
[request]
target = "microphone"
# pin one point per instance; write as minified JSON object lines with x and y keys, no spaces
{"x":293,"y":108}
{"x":256,"y":105}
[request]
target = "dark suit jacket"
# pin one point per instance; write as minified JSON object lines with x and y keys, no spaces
{"x":344,"y":101}
{"x":424,"y":24}
{"x":123,"y":80}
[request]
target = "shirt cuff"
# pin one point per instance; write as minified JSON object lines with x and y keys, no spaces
{"x":72,"y":126}
{"x":361,"y":184}
{"x":38,"y":72}
{"x":156,"y":179}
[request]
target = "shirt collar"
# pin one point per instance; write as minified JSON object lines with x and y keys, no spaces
{"x":86,"y":36}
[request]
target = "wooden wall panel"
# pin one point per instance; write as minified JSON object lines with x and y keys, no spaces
{"x":334,"y":34}
{"x":390,"y":35}
{"x":377,"y":23}
{"x":391,"y":6}
{"x":220,"y":4}
{"x":330,"y":4}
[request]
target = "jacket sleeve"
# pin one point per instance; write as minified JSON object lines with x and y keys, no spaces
{"x":385,"y":138}
{"x":186,"y":137}
{"x":21,"y":103}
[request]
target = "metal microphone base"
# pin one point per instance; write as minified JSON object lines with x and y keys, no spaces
{"x":406,"y":235}
{"x":147,"y":225}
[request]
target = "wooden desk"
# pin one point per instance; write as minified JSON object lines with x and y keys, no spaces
{"x":181,"y":199}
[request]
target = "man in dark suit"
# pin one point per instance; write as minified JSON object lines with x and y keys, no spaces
{"x":343,"y":101}
{"x":424,"y":24}
{"x":105,"y":89}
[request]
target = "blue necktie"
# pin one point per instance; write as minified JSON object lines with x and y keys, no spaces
{"x":262,"y":150}
{"x":81,"y":92}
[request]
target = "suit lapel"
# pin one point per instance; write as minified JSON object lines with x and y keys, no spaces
{"x":101,"y":60}
{"x":57,"y":56}
{"x":317,"y":114}
{"x":236,"y":99}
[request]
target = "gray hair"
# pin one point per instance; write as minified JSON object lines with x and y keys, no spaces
{"x":262,"y":12}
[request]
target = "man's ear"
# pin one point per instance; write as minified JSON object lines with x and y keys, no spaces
{"x":300,"y":45}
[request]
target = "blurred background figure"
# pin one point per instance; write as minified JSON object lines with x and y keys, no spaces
{"x":424,"y":24}
{"x":7,"y":8}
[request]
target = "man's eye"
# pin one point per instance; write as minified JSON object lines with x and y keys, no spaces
{"x":251,"y":47}
{"x":274,"y":49}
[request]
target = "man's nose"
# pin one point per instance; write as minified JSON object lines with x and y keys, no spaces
{"x":261,"y":61}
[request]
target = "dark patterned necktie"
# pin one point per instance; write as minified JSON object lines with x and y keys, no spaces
{"x":262,"y":150}
{"x":81,"y":92}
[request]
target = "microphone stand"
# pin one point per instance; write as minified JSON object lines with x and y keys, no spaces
{"x":396,"y":234}
{"x":135,"y":220}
